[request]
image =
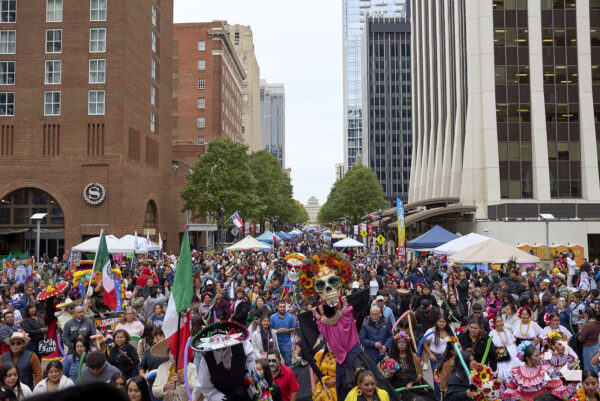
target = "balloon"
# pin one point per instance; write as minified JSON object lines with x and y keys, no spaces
{"x":185,"y":368}
{"x":399,"y":319}
{"x":413,"y":387}
{"x":462,"y":361}
{"x":487,"y":350}
{"x":423,"y":340}
{"x":59,"y":343}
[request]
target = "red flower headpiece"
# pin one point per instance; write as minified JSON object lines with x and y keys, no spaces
{"x":547,"y":318}
{"x":524,"y":308}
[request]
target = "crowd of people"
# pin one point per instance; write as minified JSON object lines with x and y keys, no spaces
{"x":536,"y":328}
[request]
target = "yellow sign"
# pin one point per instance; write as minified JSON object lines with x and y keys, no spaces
{"x":380,"y":239}
{"x":363,"y":233}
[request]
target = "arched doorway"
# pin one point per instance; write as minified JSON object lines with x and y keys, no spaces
{"x":17,"y":230}
{"x":150,"y":219}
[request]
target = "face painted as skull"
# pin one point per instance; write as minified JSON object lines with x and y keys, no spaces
{"x":294,"y":269}
{"x":329,"y":287}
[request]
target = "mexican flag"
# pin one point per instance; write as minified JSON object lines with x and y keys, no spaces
{"x":176,"y":325}
{"x":102,"y":265}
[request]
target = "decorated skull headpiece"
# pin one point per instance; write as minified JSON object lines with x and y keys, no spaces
{"x":325,"y":274}
{"x":294,"y":263}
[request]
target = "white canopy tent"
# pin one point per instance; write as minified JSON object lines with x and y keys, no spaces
{"x":460,"y":243}
{"x":248,"y":243}
{"x":113,"y":244}
{"x":492,"y":251}
{"x":143,"y":244}
{"x":348,"y":243}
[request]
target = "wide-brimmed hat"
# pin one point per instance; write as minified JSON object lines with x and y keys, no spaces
{"x":160,"y":349}
{"x":69,"y":302}
{"x":17,"y":335}
{"x":219,"y":335}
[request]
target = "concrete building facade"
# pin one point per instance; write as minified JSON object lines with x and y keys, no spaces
{"x":312,"y":208}
{"x":506,"y":111}
{"x":242,"y":39}
{"x":85,"y":136}
{"x":387,"y":120}
{"x":272,"y":119}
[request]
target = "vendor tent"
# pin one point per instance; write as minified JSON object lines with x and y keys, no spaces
{"x":144,"y":245}
{"x":113,"y":244}
{"x":460,"y":243}
{"x":283,"y":236}
{"x":492,"y":251}
{"x":295,"y":232}
{"x":432,"y":238}
{"x":267,"y":236}
{"x":348,"y":243}
{"x":248,"y":243}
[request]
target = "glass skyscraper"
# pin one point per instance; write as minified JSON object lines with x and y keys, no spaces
{"x":272,"y":119}
{"x":355,"y":13}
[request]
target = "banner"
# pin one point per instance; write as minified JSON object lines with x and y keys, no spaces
{"x":356,"y":230}
{"x":401,"y":231}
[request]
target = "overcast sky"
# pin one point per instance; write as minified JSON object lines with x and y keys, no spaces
{"x":298,"y":43}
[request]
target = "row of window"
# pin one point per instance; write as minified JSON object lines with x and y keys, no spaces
{"x":52,"y":74}
{"x":54,"y":10}
{"x":52,"y":103}
{"x":54,"y":40}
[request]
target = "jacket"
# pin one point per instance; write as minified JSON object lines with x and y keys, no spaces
{"x":141,"y":281}
{"x":162,"y":378}
{"x":457,"y":388}
{"x":73,"y":328}
{"x":478,"y":349}
{"x":257,"y":342}
{"x":104,"y":377}
{"x":150,"y":303}
{"x":33,"y":327}
{"x":353,"y":394}
{"x":71,"y":367}
{"x":240,"y":313}
{"x":125,"y":359}
{"x":372,"y":332}
{"x":64,"y":383}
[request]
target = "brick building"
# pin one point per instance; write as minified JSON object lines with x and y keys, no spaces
{"x":207,"y":88}
{"x":85,"y":104}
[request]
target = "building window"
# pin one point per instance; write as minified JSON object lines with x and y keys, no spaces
{"x":201,"y":83}
{"x":237,"y":38}
{"x":8,"y":10}
{"x":97,"y":71}
{"x":7,"y":72}
{"x":96,"y":103}
{"x":8,"y":41}
{"x":152,"y":95}
{"x":53,"y":72}
{"x":7,"y":104}
{"x":245,"y":60}
{"x":201,"y":45}
{"x":200,"y":140}
{"x":54,"y":10}
{"x":153,"y":69}
{"x":244,"y":85}
{"x":201,"y":65}
{"x":53,"y":40}
{"x":97,"y":10}
{"x":52,"y":103}
{"x":200,"y":122}
{"x":201,"y":103}
{"x":245,"y":98}
{"x":97,"y":40}
{"x":154,"y":15}
{"x":154,"y":41}
{"x":152,"y":121}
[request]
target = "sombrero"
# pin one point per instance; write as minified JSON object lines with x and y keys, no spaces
{"x":70,"y":302}
{"x":52,"y":291}
{"x":219,"y":335}
{"x":160,"y":349}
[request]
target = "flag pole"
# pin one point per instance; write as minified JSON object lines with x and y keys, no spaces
{"x":178,"y":328}
{"x":89,"y":289}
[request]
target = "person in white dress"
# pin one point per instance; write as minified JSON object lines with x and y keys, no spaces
{"x":506,"y":348}
{"x":509,"y":315}
{"x":552,"y":321}
{"x":525,"y":329}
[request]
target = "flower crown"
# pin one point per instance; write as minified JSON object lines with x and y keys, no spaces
{"x":323,"y":264}
{"x":547,"y":318}
{"x":402,"y":336}
{"x":452,"y":340}
{"x":521,"y":309}
{"x":522,"y":347}
{"x":551,"y":336}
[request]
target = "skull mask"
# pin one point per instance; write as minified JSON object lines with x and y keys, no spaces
{"x":294,"y":269}
{"x":329,"y":286}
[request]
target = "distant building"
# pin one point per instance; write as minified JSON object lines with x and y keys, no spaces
{"x":386,"y":87}
{"x":272,"y":119}
{"x":312,"y":208}
{"x":339,"y":171}
{"x":241,"y":37}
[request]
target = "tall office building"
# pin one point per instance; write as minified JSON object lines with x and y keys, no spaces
{"x":85,"y":110}
{"x":355,"y":13}
{"x":312,"y":208}
{"x":272,"y":119}
{"x":507,"y":112}
{"x":207,"y":91}
{"x":387,"y":122}
{"x":241,"y":37}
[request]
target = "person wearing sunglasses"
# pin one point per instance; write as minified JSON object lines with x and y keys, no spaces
{"x":27,"y":362}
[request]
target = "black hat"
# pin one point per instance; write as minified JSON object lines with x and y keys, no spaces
{"x":425,"y":304}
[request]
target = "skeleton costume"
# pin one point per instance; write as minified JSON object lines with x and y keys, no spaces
{"x":327,"y":274}
{"x":287,"y":291}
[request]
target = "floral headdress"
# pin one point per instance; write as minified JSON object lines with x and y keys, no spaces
{"x":401,"y":335}
{"x":523,"y":308}
{"x":323,"y":264}
{"x":452,"y":340}
{"x":547,"y":318}
{"x":486,"y":383}
{"x":551,"y":336}
{"x":522,"y":347}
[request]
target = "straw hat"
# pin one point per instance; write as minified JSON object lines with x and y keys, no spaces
{"x":17,"y":335}
{"x":70,"y":302}
{"x":160,"y":349}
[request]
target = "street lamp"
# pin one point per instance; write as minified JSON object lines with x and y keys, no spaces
{"x":38,"y":217}
{"x":222,"y":213}
{"x":547,"y":217}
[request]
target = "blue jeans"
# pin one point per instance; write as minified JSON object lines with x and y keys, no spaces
{"x":286,"y":353}
{"x":588,"y":353}
{"x":436,"y":387}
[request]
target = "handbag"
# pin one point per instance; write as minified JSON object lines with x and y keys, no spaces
{"x":47,"y":346}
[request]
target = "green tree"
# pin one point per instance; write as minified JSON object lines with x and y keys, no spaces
{"x":329,"y":211}
{"x":300,"y":213}
{"x":221,"y":176}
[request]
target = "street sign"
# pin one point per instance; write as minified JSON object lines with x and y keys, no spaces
{"x":363,"y":233}
{"x":235,"y":231}
{"x":380,"y":239}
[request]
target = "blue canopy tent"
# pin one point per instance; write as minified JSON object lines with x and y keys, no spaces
{"x":283,"y":236}
{"x":431,"y":239}
{"x":267,"y":236}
